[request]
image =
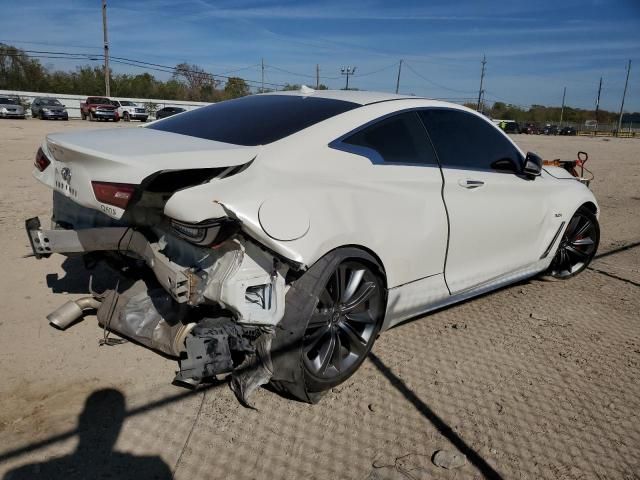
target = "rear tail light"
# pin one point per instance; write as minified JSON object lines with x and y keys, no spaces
{"x":116,"y":194}
{"x":41,"y":162}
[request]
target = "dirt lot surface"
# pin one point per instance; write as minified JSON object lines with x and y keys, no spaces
{"x":538,"y":380}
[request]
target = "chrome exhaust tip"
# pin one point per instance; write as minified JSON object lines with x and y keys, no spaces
{"x":71,"y":311}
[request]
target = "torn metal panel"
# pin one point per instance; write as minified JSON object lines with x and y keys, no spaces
{"x":238,"y":275}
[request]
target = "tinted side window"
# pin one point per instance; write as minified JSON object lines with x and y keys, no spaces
{"x":397,"y":139}
{"x":463,"y":140}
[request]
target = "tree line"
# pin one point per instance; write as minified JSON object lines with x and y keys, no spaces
{"x":539,"y":114}
{"x":19,"y":71}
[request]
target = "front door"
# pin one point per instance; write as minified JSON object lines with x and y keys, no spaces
{"x":496,"y":218}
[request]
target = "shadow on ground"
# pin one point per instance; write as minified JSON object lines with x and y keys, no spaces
{"x":98,"y":429}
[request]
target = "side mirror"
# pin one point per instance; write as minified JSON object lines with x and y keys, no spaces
{"x":532,"y":165}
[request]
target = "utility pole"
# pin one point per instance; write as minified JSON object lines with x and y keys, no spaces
{"x":598,"y":102}
{"x":347,"y":71}
{"x":564,"y":93}
{"x":317,"y":76}
{"x":262,"y":81}
{"x":626,"y":82}
{"x":107,"y":90}
{"x":398,"y":81}
{"x":480,"y":92}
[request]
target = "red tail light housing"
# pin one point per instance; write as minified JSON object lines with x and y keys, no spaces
{"x":42,"y":161}
{"x":116,"y":194}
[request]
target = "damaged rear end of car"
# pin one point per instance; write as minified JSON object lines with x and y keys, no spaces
{"x":205,"y":293}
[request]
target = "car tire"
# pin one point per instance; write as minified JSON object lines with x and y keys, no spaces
{"x":92,"y":118}
{"x":333,"y":315}
{"x":578,"y":245}
{"x":41,"y":116}
{"x":125,"y":117}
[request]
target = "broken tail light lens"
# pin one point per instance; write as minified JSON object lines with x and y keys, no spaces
{"x":207,"y":233}
{"x":42,"y":161}
{"x":200,"y":234}
{"x":116,"y":194}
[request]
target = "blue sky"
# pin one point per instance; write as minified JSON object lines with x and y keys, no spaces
{"x":533,"y":48}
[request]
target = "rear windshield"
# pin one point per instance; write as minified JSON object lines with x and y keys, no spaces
{"x":254,"y":120}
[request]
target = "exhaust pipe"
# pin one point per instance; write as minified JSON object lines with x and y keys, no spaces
{"x":71,"y":311}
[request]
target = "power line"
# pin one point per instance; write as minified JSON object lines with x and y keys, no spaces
{"x":140,"y":64}
{"x":298,"y":74}
{"x":434,"y":83}
{"x":50,"y":44}
{"x":393,"y":65}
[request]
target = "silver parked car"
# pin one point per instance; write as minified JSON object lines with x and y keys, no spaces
{"x":10,"y":108}
{"x":48,"y":108}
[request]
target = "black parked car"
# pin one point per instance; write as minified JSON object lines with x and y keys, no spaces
{"x":48,"y":108}
{"x":512,"y":127}
{"x":567,"y":131}
{"x":168,"y":111}
{"x":550,"y":130}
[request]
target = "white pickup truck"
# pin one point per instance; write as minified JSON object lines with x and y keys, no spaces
{"x":128,"y":110}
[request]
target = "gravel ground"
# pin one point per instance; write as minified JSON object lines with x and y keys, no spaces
{"x":538,"y":380}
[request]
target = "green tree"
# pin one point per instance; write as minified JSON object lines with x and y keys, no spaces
{"x":236,"y":87}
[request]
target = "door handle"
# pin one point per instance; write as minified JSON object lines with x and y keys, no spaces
{"x":467,"y":183}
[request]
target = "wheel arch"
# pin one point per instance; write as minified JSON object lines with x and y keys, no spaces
{"x":591,"y":207}
{"x":380,"y":263}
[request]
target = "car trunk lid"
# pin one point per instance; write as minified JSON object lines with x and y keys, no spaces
{"x":128,"y":156}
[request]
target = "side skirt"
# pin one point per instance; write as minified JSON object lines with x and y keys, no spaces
{"x":426,"y":295}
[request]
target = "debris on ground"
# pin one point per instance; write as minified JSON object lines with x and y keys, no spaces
{"x":448,"y":460}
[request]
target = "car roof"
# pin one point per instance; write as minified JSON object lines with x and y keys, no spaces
{"x":356,"y":96}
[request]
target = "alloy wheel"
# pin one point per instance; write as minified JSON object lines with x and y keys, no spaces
{"x":344,"y":324}
{"x":577,"y":246}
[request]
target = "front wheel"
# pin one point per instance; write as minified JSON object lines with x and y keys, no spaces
{"x":577,"y":246}
{"x":332,"y":318}
{"x":126,"y":117}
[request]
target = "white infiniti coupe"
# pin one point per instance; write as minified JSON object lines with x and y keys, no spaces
{"x":274,"y":236}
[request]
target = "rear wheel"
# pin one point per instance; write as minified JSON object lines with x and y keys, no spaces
{"x":577,"y":246}
{"x":332,"y":318}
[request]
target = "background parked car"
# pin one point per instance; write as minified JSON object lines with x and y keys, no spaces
{"x":512,"y":127}
{"x":530,"y":129}
{"x":550,"y":130}
{"x":10,"y":108}
{"x":168,"y":111}
{"x":99,"y":108}
{"x":567,"y":131}
{"x":48,"y":108}
{"x":129,"y":110}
